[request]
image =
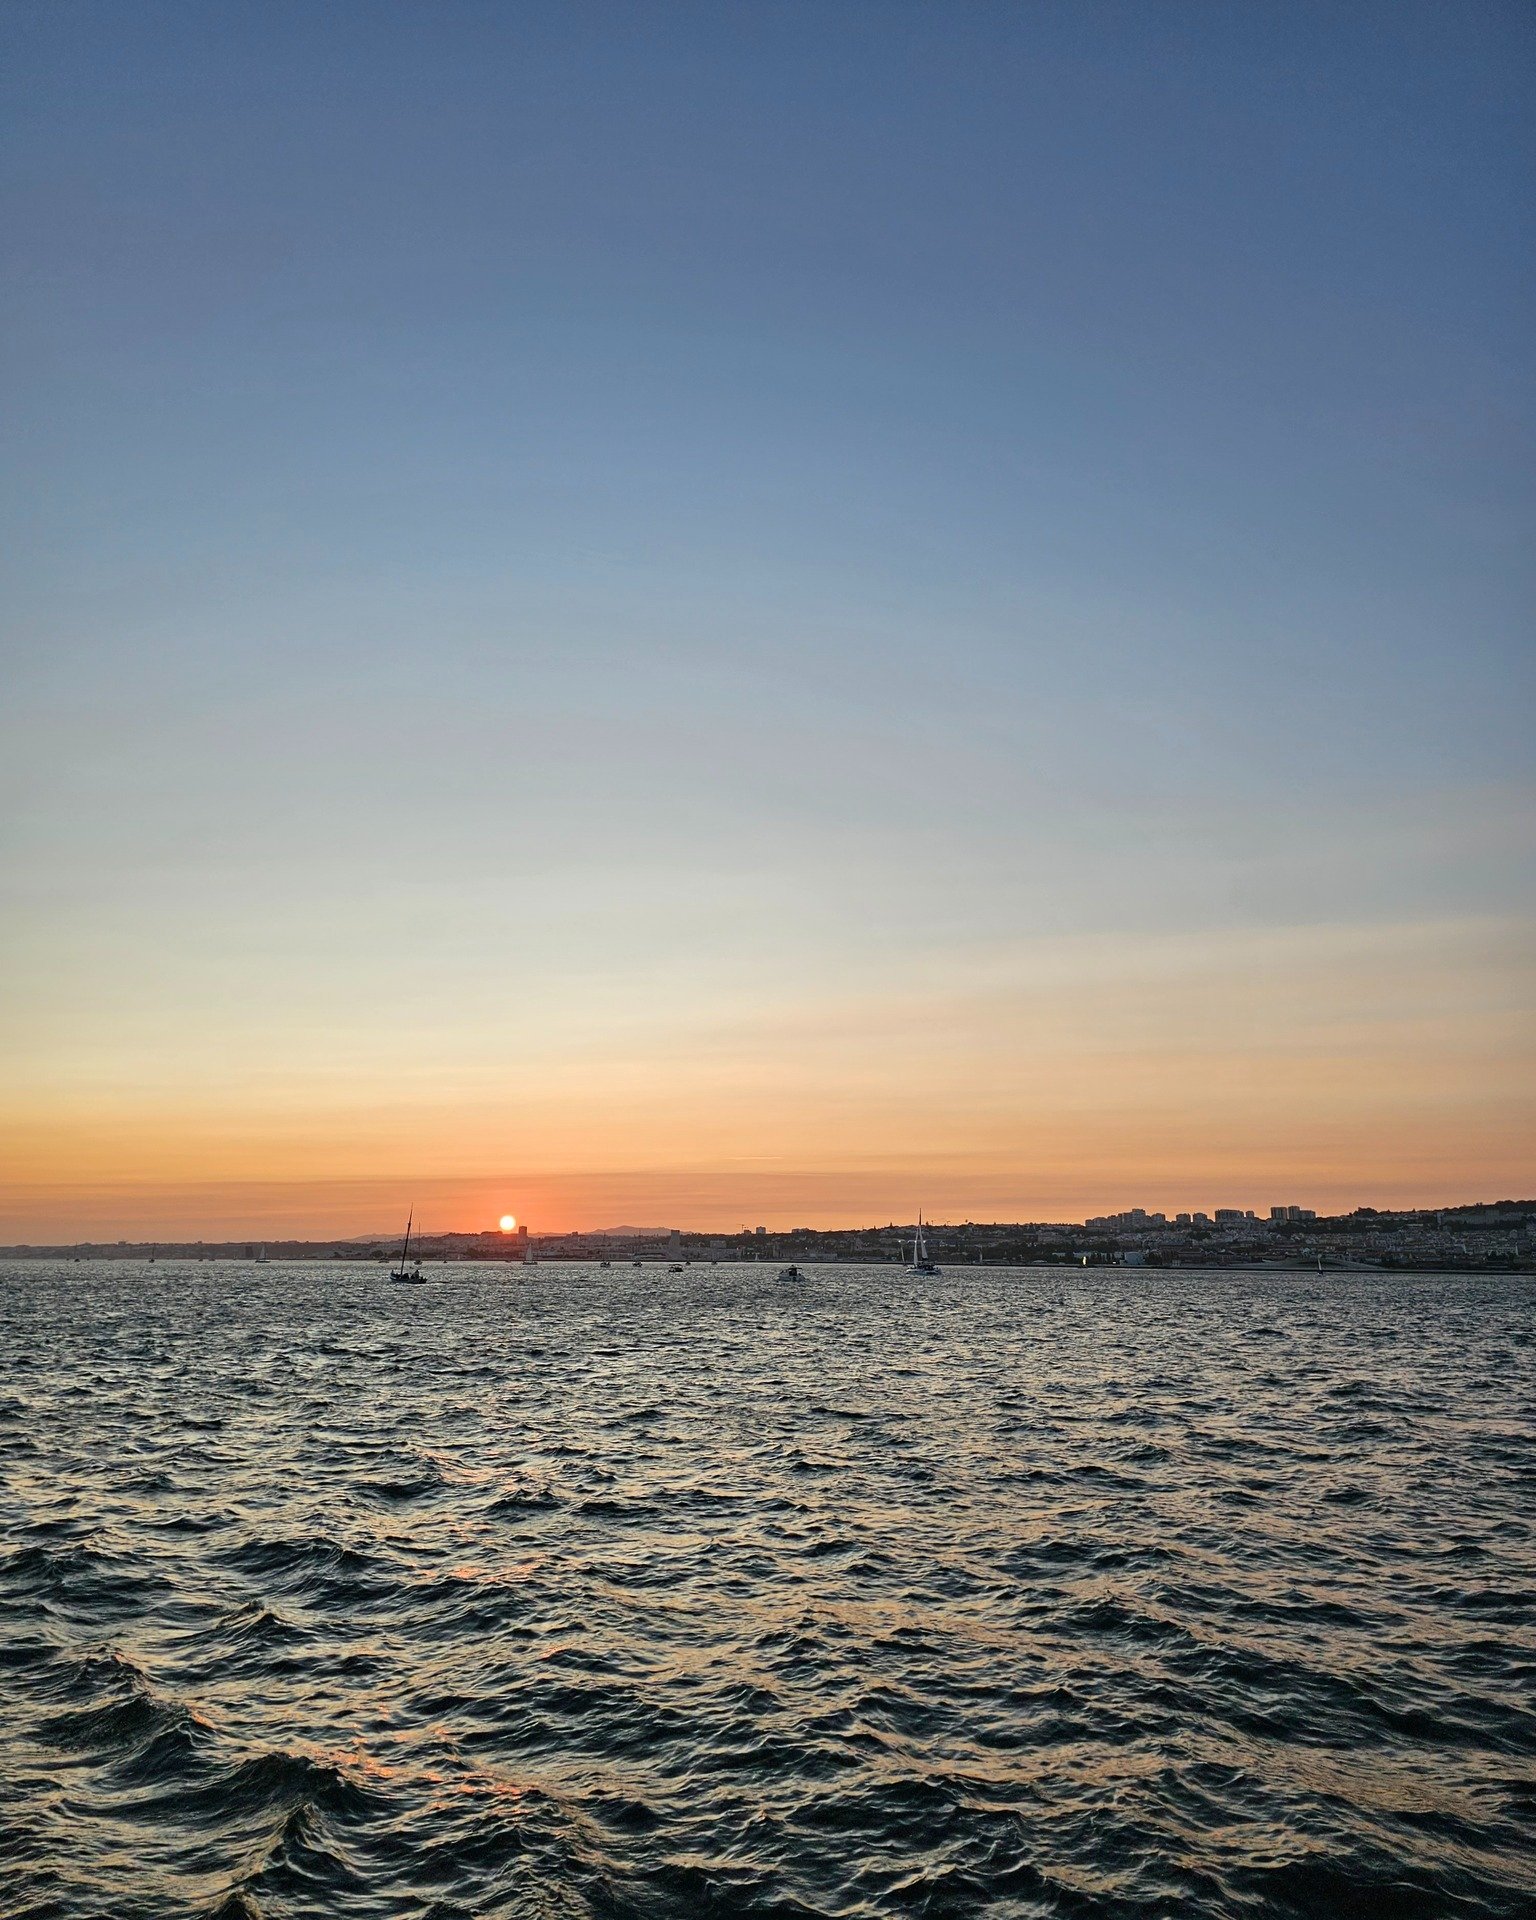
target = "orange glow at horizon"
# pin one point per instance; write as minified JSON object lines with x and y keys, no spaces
{"x":1323,"y":1067}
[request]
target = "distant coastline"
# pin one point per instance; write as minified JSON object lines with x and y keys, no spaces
{"x":1497,"y":1236}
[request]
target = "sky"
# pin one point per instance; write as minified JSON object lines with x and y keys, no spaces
{"x":778,"y":614}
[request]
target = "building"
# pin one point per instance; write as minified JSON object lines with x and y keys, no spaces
{"x":1129,"y":1222}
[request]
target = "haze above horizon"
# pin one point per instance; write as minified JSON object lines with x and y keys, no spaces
{"x":785,"y":611}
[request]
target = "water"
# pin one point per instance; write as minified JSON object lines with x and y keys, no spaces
{"x":580,"y":1593}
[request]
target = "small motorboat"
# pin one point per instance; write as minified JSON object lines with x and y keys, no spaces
{"x":791,"y":1273}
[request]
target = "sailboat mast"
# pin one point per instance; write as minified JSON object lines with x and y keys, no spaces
{"x":407,"y":1247}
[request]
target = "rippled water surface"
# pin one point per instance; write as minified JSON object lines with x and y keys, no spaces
{"x":607,"y":1593}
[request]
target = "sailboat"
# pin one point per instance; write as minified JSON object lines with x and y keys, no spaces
{"x":920,"y":1261}
{"x":402,"y":1275}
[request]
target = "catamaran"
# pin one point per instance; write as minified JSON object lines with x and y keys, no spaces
{"x":920,"y":1261}
{"x":402,"y":1275}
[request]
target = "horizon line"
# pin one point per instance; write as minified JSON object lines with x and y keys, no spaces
{"x":1152,"y":1217}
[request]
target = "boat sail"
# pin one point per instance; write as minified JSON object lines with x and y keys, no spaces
{"x":403,"y":1275}
{"x":920,"y":1261}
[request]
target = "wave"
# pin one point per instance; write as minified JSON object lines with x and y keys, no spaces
{"x":1225,"y":1609}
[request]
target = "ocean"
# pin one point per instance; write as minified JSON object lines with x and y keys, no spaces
{"x":562,"y":1592}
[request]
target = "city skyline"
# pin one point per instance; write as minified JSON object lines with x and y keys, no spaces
{"x":1466,"y":1239}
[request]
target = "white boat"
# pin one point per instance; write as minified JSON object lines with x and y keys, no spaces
{"x":921,"y":1264}
{"x":791,"y":1273}
{"x":404,"y":1275}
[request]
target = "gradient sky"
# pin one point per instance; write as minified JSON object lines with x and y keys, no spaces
{"x":772,"y":613}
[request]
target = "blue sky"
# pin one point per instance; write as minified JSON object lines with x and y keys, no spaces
{"x":555,"y":534}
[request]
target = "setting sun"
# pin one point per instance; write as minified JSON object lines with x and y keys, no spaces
{"x":508,"y":1222}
